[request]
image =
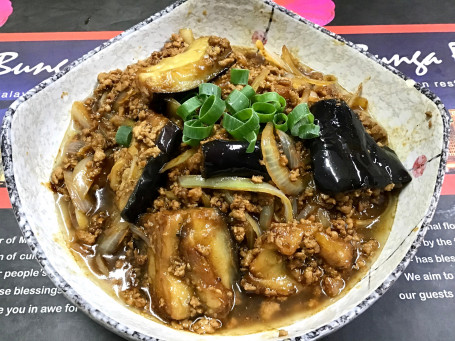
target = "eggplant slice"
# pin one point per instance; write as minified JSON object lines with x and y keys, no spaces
{"x":345,"y":157}
{"x":146,"y":189}
{"x":192,"y":263}
{"x":229,"y":158}
{"x":204,"y":59}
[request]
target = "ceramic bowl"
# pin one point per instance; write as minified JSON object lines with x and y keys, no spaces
{"x":34,"y":126}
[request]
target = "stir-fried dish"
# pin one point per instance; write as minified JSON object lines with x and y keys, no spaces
{"x":215,"y":187}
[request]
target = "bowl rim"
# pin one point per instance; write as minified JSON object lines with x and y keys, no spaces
{"x":128,"y":332}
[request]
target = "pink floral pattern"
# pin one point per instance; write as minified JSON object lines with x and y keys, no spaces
{"x":5,"y":11}
{"x":320,"y":12}
{"x":259,"y":35}
{"x":419,"y":166}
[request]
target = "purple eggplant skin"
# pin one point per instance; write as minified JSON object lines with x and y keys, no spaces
{"x":146,"y":189}
{"x":345,"y":157}
{"x":229,"y":158}
{"x":169,"y":138}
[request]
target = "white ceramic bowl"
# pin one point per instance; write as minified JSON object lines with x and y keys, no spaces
{"x":34,"y":126}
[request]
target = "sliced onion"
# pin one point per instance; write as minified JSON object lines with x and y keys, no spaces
{"x":266,"y":217}
{"x":74,"y":146}
{"x":72,"y":214}
{"x":278,"y":173}
{"x":259,"y":79}
{"x":171,"y":109}
{"x":254,"y":231}
{"x":289,"y":150}
{"x":179,"y":160}
{"x":205,"y":199}
{"x":111,"y":238}
{"x":305,"y":95}
{"x":140,"y":233}
{"x":301,"y":78}
{"x":324,"y":217}
{"x":81,"y":115}
{"x":313,"y":97}
{"x":289,"y":59}
{"x":294,"y":206}
{"x":102,"y":99}
{"x":63,"y":210}
{"x":81,"y":180}
{"x":306,"y":211}
{"x":135,"y":170}
{"x":104,"y":199}
{"x":237,"y":184}
{"x":304,"y":80}
{"x":389,"y":211}
{"x":364,"y":223}
{"x":359,"y":102}
{"x":101,"y":265}
{"x":115,"y":178}
{"x":271,"y":57}
{"x":122,"y":98}
{"x":79,"y":201}
{"x":82,"y":219}
{"x":187,"y":35}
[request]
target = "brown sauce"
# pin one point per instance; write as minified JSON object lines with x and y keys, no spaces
{"x":319,"y":257}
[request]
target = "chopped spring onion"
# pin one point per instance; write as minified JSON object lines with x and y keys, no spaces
{"x":301,"y":122}
{"x":265,"y":111}
{"x":211,"y":110}
{"x":237,"y":184}
{"x":239,"y":76}
{"x":248,"y":91}
{"x":243,"y":125}
{"x":195,"y":129}
{"x":271,"y":97}
{"x":124,"y":135}
{"x":189,"y":107}
{"x":237,"y":101}
{"x":209,"y":89}
{"x":280,"y":121}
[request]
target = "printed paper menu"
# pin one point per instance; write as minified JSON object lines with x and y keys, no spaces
{"x":425,"y":290}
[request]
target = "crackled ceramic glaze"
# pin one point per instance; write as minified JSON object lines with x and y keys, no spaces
{"x":35,"y":124}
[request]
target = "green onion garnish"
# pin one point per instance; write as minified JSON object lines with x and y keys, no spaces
{"x":239,"y":76}
{"x":248,"y":91}
{"x":243,"y":125}
{"x":189,"y":107}
{"x":237,"y":101}
{"x":195,"y":129}
{"x":209,"y":89}
{"x":211,"y":110}
{"x":124,"y":135}
{"x":265,"y":111}
{"x":246,"y":110}
{"x":280,"y":121}
{"x":190,"y":142}
{"x":301,"y":122}
{"x":271,"y":97}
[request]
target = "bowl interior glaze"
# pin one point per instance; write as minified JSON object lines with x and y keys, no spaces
{"x":34,"y":127}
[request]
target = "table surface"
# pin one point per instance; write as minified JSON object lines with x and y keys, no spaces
{"x":107,"y":15}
